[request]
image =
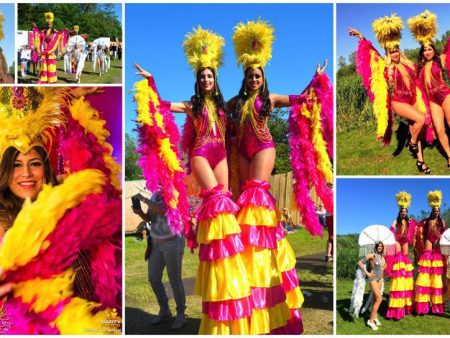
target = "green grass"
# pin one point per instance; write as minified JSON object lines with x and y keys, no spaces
{"x":412,"y":324}
{"x":359,"y":153}
{"x":138,"y":294}
{"x":114,"y":75}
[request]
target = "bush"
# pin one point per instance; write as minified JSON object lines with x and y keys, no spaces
{"x":347,"y":256}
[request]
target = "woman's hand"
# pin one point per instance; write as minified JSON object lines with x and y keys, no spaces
{"x":370,"y":274}
{"x":85,"y":91}
{"x":142,"y":71}
{"x":354,"y":32}
{"x":321,"y":70}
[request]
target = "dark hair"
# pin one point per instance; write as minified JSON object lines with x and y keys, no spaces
{"x":10,"y":204}
{"x":399,"y":216}
{"x":421,"y":60}
{"x":198,"y":100}
{"x":377,"y":244}
{"x":244,"y":95}
{"x":439,"y":221}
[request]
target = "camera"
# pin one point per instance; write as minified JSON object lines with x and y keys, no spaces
{"x":136,"y":202}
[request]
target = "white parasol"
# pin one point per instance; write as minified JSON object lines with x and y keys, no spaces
{"x":374,"y":234}
{"x":76,"y":40}
{"x":445,"y":242}
{"x":104,"y":42}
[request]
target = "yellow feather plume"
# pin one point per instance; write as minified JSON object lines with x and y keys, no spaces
{"x":403,"y":199}
{"x":435,"y":198}
{"x":89,"y":119}
{"x":203,"y":48}
{"x":2,"y":19}
{"x":76,"y":28}
{"x":77,"y":317}
{"x":388,"y":31}
{"x":379,"y":85}
{"x":40,"y":217}
{"x":42,"y":293}
{"x":423,"y":27}
{"x":253,"y":43}
{"x":49,"y":17}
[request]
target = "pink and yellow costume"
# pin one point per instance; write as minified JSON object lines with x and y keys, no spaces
{"x":436,"y":88}
{"x":401,"y":287}
{"x":429,"y":283}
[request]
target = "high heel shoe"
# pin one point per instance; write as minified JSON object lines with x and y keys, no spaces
{"x":422,"y":167}
{"x":413,"y":149}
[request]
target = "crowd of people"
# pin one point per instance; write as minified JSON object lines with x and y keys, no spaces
{"x":407,"y":296}
{"x":414,"y":89}
{"x":246,"y":277}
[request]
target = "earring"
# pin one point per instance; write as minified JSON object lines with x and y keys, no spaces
{"x":245,"y":89}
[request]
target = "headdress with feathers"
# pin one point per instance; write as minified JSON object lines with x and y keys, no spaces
{"x":203,"y":48}
{"x":27,"y":118}
{"x":435,"y":198}
{"x":253,"y":43}
{"x":49,"y":17}
{"x":388,"y":31}
{"x":423,"y":27}
{"x":76,"y":28}
{"x":403,"y":199}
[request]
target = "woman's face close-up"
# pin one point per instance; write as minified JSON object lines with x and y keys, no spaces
{"x":395,"y":54}
{"x":428,"y":52}
{"x":380,"y":248}
{"x":403,"y":213}
{"x":254,"y":79}
{"x":207,"y":80}
{"x":28,"y":176}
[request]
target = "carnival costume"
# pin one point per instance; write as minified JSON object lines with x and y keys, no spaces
{"x":66,"y":275}
{"x":368,"y":239}
{"x":429,"y":285}
{"x":386,"y":84}
{"x":401,"y":287}
{"x":221,"y":278}
{"x":424,"y":29}
{"x":47,"y":43}
{"x":269,"y":258}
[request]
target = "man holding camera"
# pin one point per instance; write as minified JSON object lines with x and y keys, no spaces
{"x":164,"y":249}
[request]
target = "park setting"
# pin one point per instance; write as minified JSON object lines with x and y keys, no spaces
{"x":69,"y":43}
{"x":375,"y":200}
{"x":358,"y":151}
{"x":7,"y":62}
{"x":310,"y":258}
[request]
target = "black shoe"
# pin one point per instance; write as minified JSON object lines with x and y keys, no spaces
{"x":413,"y":149}
{"x":423,"y":168}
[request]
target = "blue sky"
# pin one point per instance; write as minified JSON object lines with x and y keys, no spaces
{"x":7,"y":44}
{"x":155,"y":32}
{"x":366,"y":201}
{"x":361,"y":16}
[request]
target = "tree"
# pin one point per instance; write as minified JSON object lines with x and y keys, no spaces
{"x":278,"y":127}
{"x":132,"y":170}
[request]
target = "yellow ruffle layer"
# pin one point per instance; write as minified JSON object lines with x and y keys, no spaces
{"x":214,"y":327}
{"x":402,"y":284}
{"x":257,"y":216}
{"x":426,"y":280}
{"x":222,"y":279}
{"x":285,"y":256}
{"x":217,"y":228}
{"x":264,"y":320}
{"x":397,"y":302}
{"x":436,"y":299}
{"x":294,"y":298}
{"x":261,"y":266}
{"x":435,"y":264}
{"x":422,"y":298}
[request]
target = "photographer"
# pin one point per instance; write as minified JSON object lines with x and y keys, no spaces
{"x":164,"y":249}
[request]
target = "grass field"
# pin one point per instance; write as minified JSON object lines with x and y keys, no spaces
{"x":114,"y":74}
{"x":359,"y":153}
{"x":141,"y":303}
{"x":412,"y":324}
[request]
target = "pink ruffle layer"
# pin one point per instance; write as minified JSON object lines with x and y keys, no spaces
{"x":401,"y":294}
{"x":424,"y":290}
{"x":430,"y":270}
{"x":256,"y":193}
{"x":290,"y":279}
{"x":228,"y":309}
{"x":218,"y":249}
{"x":215,"y":202}
{"x":263,"y":298}
{"x":422,"y":308}
{"x":259,"y":236}
{"x":437,"y":308}
{"x":293,"y":327}
{"x":398,"y":313}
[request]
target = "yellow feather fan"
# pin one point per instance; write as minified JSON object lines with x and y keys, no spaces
{"x":253,"y":43}
{"x":203,"y":48}
{"x":403,"y":199}
{"x":423,"y":27}
{"x":49,"y":17}
{"x":28,"y":116}
{"x":388,"y":31}
{"x":435,"y":198}
{"x":2,"y":19}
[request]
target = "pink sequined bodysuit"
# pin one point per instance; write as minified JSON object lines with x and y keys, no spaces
{"x":209,"y":142}
{"x":437,"y":90}
{"x":401,"y":235}
{"x":403,"y":90}
{"x":250,"y":141}
{"x":433,"y":234}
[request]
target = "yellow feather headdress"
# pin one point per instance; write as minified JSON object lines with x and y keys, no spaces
{"x":203,"y":48}
{"x":435,"y":198}
{"x":423,"y":27}
{"x":49,"y":17}
{"x":403,"y":199}
{"x":253,"y":43}
{"x":27,"y":117}
{"x":2,"y":19}
{"x":388,"y":31}
{"x":76,"y":28}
